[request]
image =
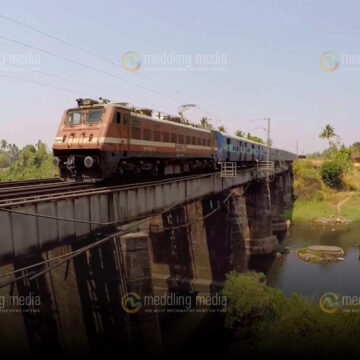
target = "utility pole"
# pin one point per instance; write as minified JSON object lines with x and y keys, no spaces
{"x":268,"y":149}
{"x":268,"y":159}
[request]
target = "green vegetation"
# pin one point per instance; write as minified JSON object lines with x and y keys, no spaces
{"x":312,"y":210}
{"x":222,"y":129}
{"x":327,"y":184}
{"x":331,"y":173}
{"x":240,"y":133}
{"x":328,"y":133}
{"x":30,"y":162}
{"x":267,"y":322}
{"x":255,"y":138}
{"x":205,"y":123}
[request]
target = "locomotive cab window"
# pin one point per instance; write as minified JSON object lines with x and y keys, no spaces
{"x":94,"y":116}
{"x":73,"y":118}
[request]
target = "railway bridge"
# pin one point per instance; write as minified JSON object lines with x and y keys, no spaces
{"x":84,"y":246}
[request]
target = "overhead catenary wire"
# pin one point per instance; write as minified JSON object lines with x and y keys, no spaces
{"x":103,"y":58}
{"x":43,"y":84}
{"x":114,"y":63}
{"x":56,"y":76}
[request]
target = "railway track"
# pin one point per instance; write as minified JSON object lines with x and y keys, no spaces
{"x":34,"y":191}
{"x":74,"y":190}
{"x":21,"y":183}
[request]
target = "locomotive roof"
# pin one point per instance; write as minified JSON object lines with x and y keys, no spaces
{"x":131,"y":108}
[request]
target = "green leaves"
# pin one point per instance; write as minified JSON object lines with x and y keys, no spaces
{"x":331,"y":173}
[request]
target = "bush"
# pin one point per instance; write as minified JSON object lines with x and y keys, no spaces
{"x":307,"y":180}
{"x":275,"y":324}
{"x":331,"y":173}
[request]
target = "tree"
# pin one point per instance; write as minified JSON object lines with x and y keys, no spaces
{"x":328,"y":132}
{"x":4,"y":144}
{"x":221,"y":128}
{"x":205,"y":123}
{"x":240,"y":133}
{"x":13,"y":152}
{"x":331,"y":173}
{"x":255,"y":138}
{"x":355,"y":147}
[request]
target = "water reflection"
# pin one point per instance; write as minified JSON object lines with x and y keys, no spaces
{"x":290,"y":274}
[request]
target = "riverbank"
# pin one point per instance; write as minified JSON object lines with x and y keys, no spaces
{"x":344,"y":206}
{"x":316,"y":201}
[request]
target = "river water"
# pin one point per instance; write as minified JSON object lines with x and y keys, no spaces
{"x":290,"y":274}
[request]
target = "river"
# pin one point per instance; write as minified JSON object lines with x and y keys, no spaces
{"x":290,"y":274}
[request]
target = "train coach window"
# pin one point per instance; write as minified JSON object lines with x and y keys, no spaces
{"x":94,"y":116}
{"x":135,"y":133}
{"x":146,"y":134}
{"x":74,"y":118}
{"x":166,"y":137}
{"x":181,"y":139}
{"x":188,"y":140}
{"x":208,"y":142}
{"x":204,"y":142}
{"x":157,"y":135}
{"x":198,"y":141}
{"x":193,"y":140}
{"x":173,"y":138}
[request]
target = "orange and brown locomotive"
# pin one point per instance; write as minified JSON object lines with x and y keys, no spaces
{"x":101,"y":140}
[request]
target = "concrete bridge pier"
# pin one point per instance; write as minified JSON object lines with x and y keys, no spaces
{"x":135,"y":253}
{"x":288,"y":189}
{"x":258,"y":206}
{"x":179,"y":251}
{"x":279,"y":226}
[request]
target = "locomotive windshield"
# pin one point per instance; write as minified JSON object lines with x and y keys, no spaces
{"x":94,"y":116}
{"x":73,"y":118}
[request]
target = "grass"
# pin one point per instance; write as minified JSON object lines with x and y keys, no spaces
{"x":316,"y":200}
{"x":312,"y":210}
{"x":351,"y":209}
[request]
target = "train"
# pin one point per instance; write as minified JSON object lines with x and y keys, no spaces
{"x":99,"y":139}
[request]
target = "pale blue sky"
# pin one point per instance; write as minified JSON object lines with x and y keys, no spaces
{"x":272,"y":48}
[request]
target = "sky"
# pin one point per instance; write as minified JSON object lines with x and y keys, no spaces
{"x":239,"y":61}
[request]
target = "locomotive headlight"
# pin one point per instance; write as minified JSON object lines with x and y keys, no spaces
{"x":88,"y":161}
{"x":56,"y":161}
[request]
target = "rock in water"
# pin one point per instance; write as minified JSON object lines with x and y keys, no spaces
{"x":321,"y":253}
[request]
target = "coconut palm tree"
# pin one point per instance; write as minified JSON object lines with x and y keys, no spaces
{"x":328,"y":132}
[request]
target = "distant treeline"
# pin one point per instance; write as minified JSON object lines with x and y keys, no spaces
{"x":30,"y":162}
